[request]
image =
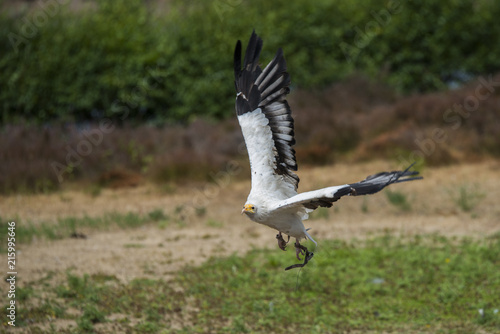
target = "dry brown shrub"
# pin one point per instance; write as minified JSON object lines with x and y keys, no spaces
{"x":120,"y":178}
{"x":357,"y":117}
{"x":330,"y":123}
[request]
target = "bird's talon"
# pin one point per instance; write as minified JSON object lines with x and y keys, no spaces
{"x":281,"y":242}
{"x":299,"y":250}
{"x":298,"y":253}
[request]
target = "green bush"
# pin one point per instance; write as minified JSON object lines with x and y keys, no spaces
{"x":78,"y":64}
{"x":124,"y":60}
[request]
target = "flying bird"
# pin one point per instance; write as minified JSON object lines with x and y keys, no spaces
{"x":268,"y":129}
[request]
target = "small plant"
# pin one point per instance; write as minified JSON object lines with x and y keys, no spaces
{"x":45,"y":186}
{"x":214,"y":223}
{"x":147,"y":327}
{"x":157,"y":215}
{"x":467,"y":198}
{"x":91,"y":315}
{"x":94,"y":190}
{"x":168,"y":188}
{"x":399,"y":200}
{"x":364,"y":205}
{"x":77,"y":287}
{"x":130,"y":219}
{"x":178,"y":209}
{"x":200,"y":211}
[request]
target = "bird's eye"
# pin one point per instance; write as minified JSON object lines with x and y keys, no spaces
{"x":253,"y":207}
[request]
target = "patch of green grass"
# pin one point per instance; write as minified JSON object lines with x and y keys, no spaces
{"x":386,"y":284}
{"x":466,"y":197}
{"x":320,"y":213}
{"x":130,"y":219}
{"x":101,"y":278}
{"x":76,"y":287}
{"x":94,"y":190}
{"x":364,"y":205}
{"x":91,"y":315}
{"x":147,"y":327}
{"x":429,"y":284}
{"x":399,"y":200}
{"x":214,"y":223}
{"x":68,"y":226}
{"x":45,"y":310}
{"x":200,"y":211}
{"x":157,"y":215}
{"x":168,"y":188}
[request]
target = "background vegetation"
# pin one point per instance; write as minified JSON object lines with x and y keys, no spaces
{"x":124,"y":59}
{"x":371,"y":79}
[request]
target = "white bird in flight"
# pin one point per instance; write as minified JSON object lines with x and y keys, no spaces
{"x":267,"y":125}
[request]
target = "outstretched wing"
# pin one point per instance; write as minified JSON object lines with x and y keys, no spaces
{"x":325,"y":197}
{"x":265,"y":119}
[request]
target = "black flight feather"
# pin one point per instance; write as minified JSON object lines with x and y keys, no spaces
{"x":372,"y":184}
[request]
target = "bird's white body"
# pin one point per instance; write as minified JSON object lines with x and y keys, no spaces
{"x":268,"y":188}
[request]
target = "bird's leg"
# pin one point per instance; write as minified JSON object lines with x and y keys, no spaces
{"x":299,"y":250}
{"x":281,"y":242}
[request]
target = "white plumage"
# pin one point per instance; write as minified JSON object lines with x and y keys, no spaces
{"x":267,"y":125}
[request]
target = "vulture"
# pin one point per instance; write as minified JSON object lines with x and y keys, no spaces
{"x":268,"y":129}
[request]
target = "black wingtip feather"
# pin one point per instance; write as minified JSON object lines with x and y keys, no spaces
{"x":237,"y":60}
{"x":252,"y":53}
{"x":374,"y":183}
{"x":244,"y":77}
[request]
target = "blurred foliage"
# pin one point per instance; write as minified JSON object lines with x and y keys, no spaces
{"x":124,"y":60}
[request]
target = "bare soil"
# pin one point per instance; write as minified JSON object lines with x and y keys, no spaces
{"x":218,"y":229}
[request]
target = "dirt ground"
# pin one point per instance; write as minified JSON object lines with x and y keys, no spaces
{"x":218,"y":229}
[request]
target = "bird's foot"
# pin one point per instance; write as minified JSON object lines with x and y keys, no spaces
{"x":281,"y":242}
{"x":299,"y":250}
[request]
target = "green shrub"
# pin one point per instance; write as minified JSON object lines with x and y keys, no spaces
{"x":121,"y":59}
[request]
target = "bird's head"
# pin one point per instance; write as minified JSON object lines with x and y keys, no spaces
{"x":249,"y":209}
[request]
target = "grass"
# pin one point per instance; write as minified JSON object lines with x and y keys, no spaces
{"x":421,"y":284}
{"x":320,"y":213}
{"x":214,"y":223}
{"x":364,"y":205}
{"x":398,"y":199}
{"x":157,"y":215}
{"x":466,"y":197}
{"x":71,"y":226}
